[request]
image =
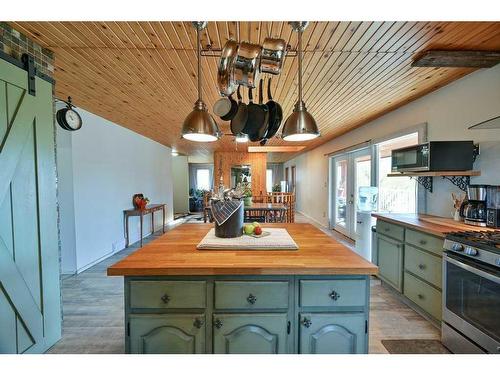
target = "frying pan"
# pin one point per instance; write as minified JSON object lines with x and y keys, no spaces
{"x":275,"y":113}
{"x":257,"y":116}
{"x":239,"y":120}
{"x":264,"y":126}
{"x":226,"y":108}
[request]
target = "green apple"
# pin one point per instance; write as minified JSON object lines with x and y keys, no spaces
{"x":256,"y":224}
{"x":249,"y":228}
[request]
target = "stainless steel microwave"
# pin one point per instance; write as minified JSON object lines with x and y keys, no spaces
{"x":434,"y":156}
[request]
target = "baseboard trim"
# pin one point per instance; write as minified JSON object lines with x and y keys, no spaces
{"x":312,"y":219}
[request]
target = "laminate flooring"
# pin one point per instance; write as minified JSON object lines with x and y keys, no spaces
{"x":93,"y":312}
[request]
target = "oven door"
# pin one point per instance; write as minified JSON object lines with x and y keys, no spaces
{"x":471,"y":301}
{"x":413,"y":158}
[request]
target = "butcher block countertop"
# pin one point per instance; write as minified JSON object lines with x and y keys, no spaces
{"x":435,"y":225}
{"x":175,"y":253}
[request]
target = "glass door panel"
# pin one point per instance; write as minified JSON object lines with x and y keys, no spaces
{"x":340,"y":194}
{"x":362,"y":178}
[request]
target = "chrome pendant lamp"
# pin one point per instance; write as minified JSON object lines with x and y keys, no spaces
{"x":199,"y":125}
{"x":300,"y":125}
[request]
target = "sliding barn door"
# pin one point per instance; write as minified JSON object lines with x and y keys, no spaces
{"x":30,"y":312}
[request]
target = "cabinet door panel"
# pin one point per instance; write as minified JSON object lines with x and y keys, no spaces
{"x":250,"y":333}
{"x":333,"y":333}
{"x":167,"y":334}
{"x":390,"y":261}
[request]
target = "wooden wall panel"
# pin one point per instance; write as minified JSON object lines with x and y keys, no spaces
{"x":224,"y":160}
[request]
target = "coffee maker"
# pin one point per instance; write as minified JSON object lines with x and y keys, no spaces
{"x":474,"y":209}
{"x":493,"y":206}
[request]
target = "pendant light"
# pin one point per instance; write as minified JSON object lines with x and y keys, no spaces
{"x":300,"y":125}
{"x":199,"y":125}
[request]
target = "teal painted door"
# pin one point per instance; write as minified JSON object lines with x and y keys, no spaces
{"x":250,"y":333}
{"x":390,"y":261}
{"x":167,"y":334}
{"x":332,"y":333}
{"x":30,"y":311}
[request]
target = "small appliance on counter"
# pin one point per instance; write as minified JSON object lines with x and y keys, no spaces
{"x":493,"y":206}
{"x":434,"y":156}
{"x":471,"y":292}
{"x":474,"y":208}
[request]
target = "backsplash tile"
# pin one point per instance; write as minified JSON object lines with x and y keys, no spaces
{"x":14,"y":44}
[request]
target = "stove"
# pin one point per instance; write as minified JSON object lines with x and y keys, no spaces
{"x":482,"y":246}
{"x":471,"y":292}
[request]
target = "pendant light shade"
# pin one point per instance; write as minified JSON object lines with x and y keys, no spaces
{"x":199,"y":125}
{"x":300,"y":125}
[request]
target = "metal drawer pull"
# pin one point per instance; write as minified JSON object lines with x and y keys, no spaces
{"x":421,"y":266}
{"x":306,"y":322}
{"x":165,"y":298}
{"x":334,"y":295}
{"x":197,"y":323}
{"x":423,"y":242}
{"x":218,"y":323}
{"x":387,"y":229}
{"x":420,"y":296}
{"x":251,"y":299}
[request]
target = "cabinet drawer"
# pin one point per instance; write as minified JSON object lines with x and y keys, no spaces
{"x":424,"y":265}
{"x":251,"y":294}
{"x":329,"y":293}
{"x":168,"y":294}
{"x":395,"y":231}
{"x":424,"y":295}
{"x":425,"y":241}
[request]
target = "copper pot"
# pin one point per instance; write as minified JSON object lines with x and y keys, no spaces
{"x":247,"y":64}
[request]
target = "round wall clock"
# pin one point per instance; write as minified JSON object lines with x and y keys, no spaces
{"x":68,"y":118}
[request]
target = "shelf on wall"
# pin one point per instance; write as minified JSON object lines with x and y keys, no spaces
{"x":461,"y":179}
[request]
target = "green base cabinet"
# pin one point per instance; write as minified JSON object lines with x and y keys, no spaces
{"x":390,"y":261}
{"x":247,"y":314}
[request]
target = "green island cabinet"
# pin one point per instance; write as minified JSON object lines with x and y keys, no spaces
{"x":410,"y":261}
{"x":247,"y":314}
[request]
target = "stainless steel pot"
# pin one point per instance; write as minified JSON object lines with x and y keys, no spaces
{"x":247,"y":64}
{"x":273,"y":53}
{"x":476,"y":192}
{"x":225,"y":81}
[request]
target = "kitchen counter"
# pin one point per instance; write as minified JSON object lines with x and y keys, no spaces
{"x":180,"y":300}
{"x":175,"y":253}
{"x":435,"y":225}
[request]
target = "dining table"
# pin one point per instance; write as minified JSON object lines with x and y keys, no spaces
{"x":267,"y":212}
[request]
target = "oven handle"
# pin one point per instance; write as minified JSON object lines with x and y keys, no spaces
{"x":474,"y":270}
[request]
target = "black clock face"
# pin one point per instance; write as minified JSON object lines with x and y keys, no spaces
{"x":69,"y":119}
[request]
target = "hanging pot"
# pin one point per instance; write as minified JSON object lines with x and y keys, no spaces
{"x":247,"y":64}
{"x":273,"y":53}
{"x":226,"y":108}
{"x":275,"y":113}
{"x":239,"y":120}
{"x":225,"y":80}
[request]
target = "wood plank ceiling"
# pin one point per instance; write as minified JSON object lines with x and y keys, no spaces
{"x":142,"y":75}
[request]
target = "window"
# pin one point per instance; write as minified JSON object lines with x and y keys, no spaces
{"x":396,"y":194}
{"x":269,"y":180}
{"x":203,"y":179}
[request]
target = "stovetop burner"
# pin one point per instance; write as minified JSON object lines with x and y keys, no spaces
{"x":481,"y":239}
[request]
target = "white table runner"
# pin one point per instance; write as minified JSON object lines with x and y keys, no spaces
{"x":278,"y":239}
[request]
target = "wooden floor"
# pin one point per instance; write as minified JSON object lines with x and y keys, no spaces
{"x":93,"y":311}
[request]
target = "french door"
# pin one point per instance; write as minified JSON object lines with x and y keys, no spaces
{"x":349,"y":171}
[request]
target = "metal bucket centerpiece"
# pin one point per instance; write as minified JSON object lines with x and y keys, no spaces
{"x":228,"y":211}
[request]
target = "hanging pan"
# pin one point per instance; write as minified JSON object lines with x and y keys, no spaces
{"x":256,"y":117}
{"x":239,"y":120}
{"x":226,"y":108}
{"x":264,"y":126}
{"x":275,"y":113}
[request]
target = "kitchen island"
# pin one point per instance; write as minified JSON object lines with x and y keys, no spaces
{"x":182,"y":300}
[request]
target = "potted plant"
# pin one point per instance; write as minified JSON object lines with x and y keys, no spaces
{"x":276,"y":188}
{"x":247,"y":195}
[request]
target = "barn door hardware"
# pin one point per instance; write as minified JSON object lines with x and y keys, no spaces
{"x":29,"y":66}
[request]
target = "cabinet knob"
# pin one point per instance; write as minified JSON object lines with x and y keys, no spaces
{"x":334,"y":295}
{"x":197,"y":323}
{"x":218,"y":323}
{"x":421,"y":266}
{"x":251,"y":299}
{"x":420,"y":296}
{"x":306,"y":322}
{"x":165,"y":298}
{"x":423,"y":242}
{"x":387,"y":229}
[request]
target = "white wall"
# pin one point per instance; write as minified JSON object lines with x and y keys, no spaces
{"x":108,"y":164}
{"x":448,"y":112}
{"x":180,"y":173}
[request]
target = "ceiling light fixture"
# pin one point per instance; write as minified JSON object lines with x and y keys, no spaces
{"x":300,"y":125}
{"x":199,"y":125}
{"x":241,"y":138}
{"x":175,"y":153}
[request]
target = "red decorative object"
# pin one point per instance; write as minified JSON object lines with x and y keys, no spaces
{"x":139,"y":201}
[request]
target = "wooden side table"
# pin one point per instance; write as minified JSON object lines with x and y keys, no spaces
{"x":150,"y":209}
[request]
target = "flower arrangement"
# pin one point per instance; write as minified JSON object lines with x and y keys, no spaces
{"x":140,"y":201}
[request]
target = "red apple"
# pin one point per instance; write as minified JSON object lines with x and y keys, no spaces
{"x":258,"y":231}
